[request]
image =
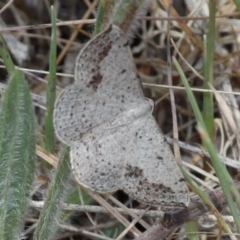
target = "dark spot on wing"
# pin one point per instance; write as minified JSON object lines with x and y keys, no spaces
{"x":102,"y":52}
{"x":135,"y":172}
{"x":139,"y":183}
{"x":96,"y":80}
{"x":125,"y":44}
{"x":164,"y":140}
{"x":181,"y":180}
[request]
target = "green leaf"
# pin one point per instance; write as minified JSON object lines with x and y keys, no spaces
{"x":17,"y":155}
{"x":51,"y":88}
{"x":192,"y":230}
{"x":48,"y":221}
{"x":208,"y":108}
{"x":226,"y":182}
{"x":6,"y":57}
{"x":105,"y":9}
{"x":121,"y":13}
{"x":125,"y":14}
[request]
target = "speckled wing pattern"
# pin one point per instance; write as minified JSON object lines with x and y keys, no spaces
{"x":98,"y":160}
{"x":105,"y":119}
{"x":105,"y":80}
{"x":151,"y":173}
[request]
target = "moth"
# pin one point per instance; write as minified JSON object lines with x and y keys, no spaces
{"x":107,"y":122}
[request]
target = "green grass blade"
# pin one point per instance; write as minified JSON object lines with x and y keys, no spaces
{"x":100,"y":16}
{"x":207,"y":202}
{"x":237,"y":3}
{"x":48,"y":221}
{"x":192,"y":230}
{"x":208,"y":111}
{"x":17,"y":155}
{"x":225,"y":179}
{"x":6,"y":57}
{"x":51,"y":87}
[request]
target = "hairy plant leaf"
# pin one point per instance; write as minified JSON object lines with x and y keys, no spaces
{"x":17,"y":155}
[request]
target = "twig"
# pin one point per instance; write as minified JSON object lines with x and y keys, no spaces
{"x":174,"y":219}
{"x":228,"y":161}
{"x":99,"y":209}
{"x":170,"y":220}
